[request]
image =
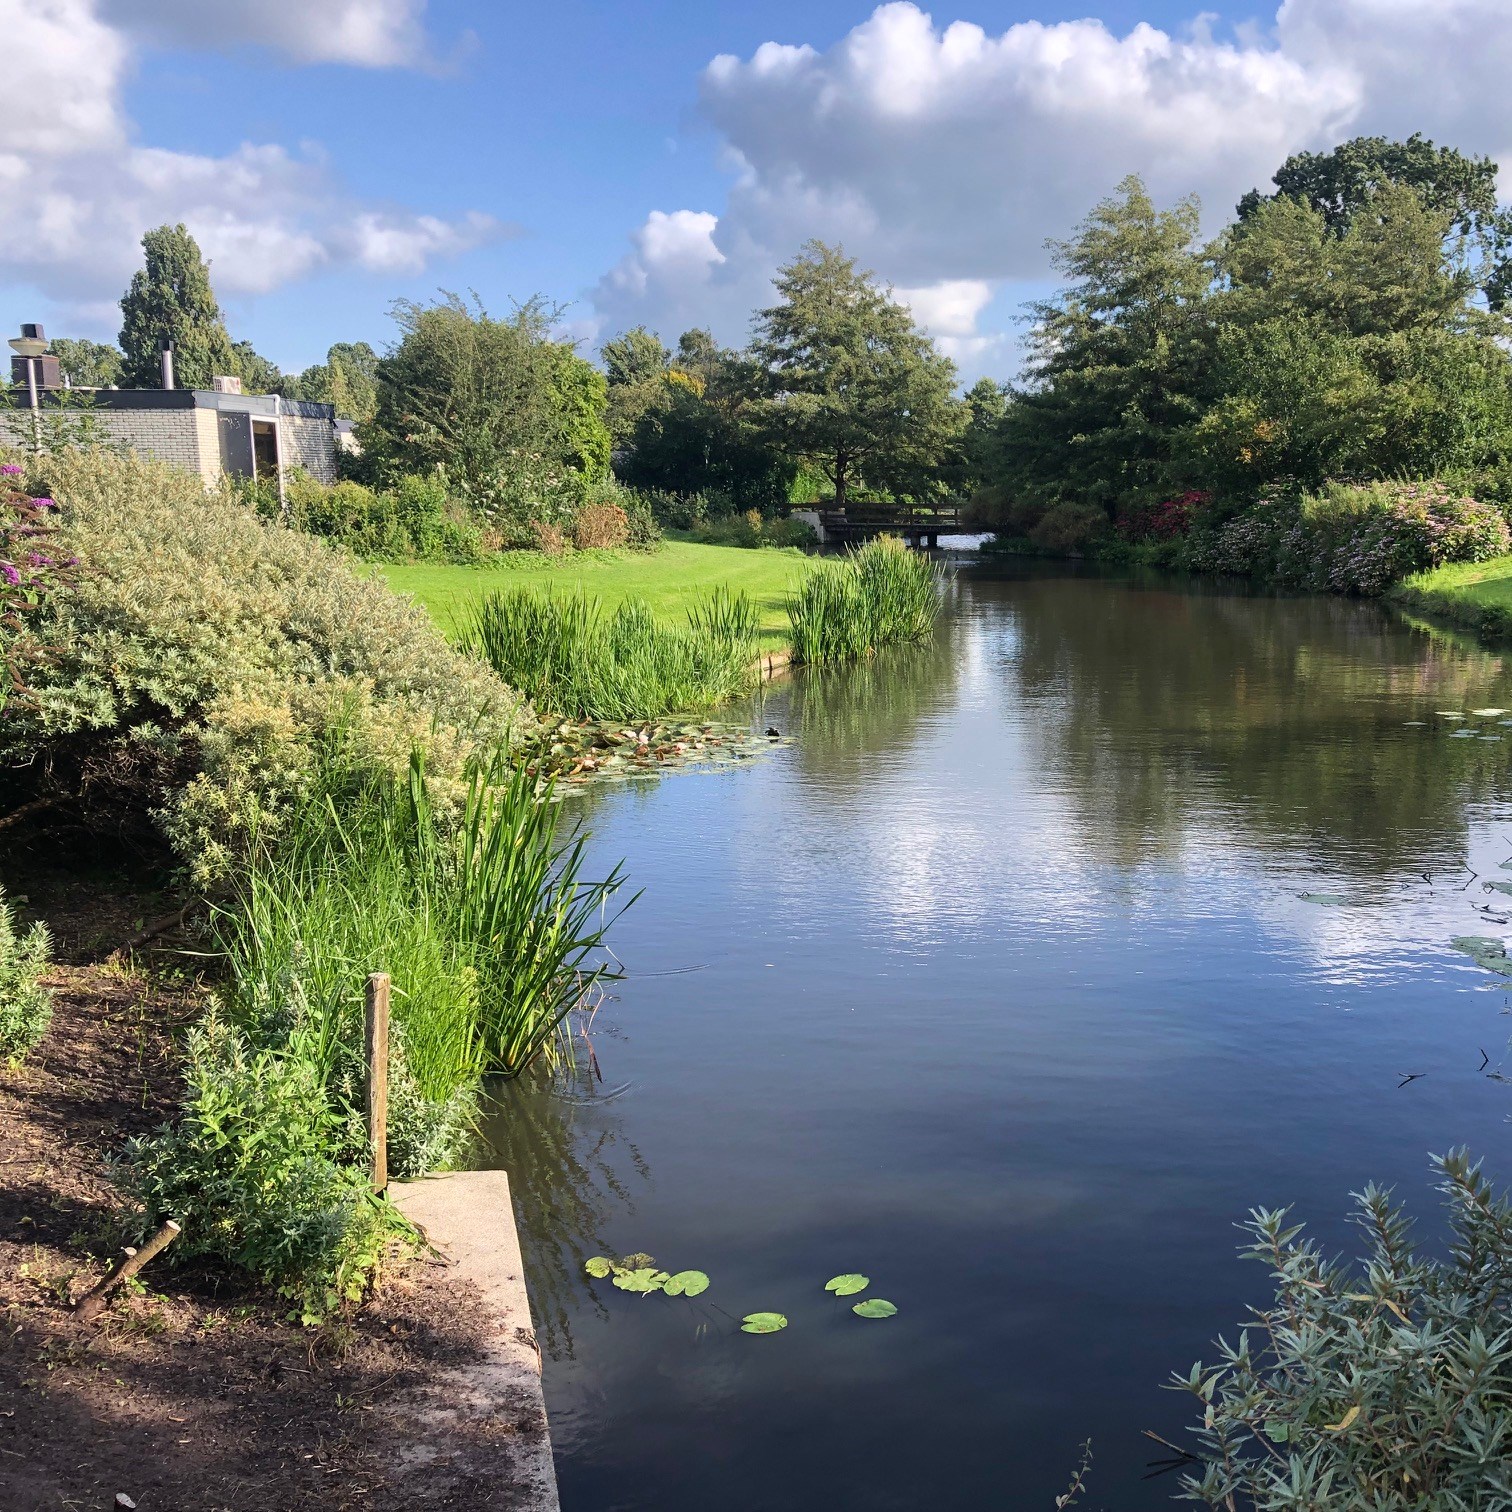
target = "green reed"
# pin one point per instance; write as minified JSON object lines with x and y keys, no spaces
{"x":572,"y":657}
{"x":473,"y":902}
{"x":880,"y":595}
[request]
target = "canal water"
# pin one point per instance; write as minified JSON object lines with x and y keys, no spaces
{"x":998,"y":984}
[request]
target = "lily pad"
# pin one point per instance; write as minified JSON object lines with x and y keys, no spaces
{"x":636,"y":1261}
{"x":600,"y":1265}
{"x":1329,"y":900}
{"x":874,"y":1307}
{"x":686,"y":1284}
{"x":847,"y":1286}
{"x":1488,"y":713}
{"x":1485,"y":952}
{"x":763,"y":1323}
{"x":647,"y":1279}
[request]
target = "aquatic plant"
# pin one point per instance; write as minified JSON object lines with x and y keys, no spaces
{"x":581,"y":661}
{"x":879,"y":595}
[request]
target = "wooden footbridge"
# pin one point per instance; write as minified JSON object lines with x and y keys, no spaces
{"x":860,"y":520}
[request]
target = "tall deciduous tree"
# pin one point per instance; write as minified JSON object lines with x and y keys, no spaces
{"x":170,"y":299}
{"x":348,"y":379}
{"x":1116,"y":361}
{"x":88,"y":364}
{"x":855,"y":388}
{"x":489,"y":400}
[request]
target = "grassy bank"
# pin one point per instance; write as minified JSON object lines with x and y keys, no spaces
{"x":1477,"y":595}
{"x":671,"y":581}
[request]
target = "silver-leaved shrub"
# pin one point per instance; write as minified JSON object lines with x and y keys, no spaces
{"x":25,"y":1004}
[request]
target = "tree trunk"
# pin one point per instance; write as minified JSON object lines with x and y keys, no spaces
{"x":841,"y":465}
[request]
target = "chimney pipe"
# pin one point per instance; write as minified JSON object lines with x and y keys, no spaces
{"x":167,"y":364}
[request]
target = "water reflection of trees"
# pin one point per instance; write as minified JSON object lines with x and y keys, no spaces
{"x":1156,"y":702}
{"x":844,"y":715}
{"x":570,"y":1167}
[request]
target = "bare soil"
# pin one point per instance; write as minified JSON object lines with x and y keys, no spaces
{"x":194,"y":1393}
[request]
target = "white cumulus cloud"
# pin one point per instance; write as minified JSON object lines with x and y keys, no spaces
{"x":79,"y":190}
{"x":944,"y":155}
{"x":368,"y":33}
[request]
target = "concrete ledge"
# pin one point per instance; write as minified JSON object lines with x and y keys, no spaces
{"x":479,"y":1430}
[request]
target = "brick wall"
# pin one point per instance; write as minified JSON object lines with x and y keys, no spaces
{"x":178,"y":436}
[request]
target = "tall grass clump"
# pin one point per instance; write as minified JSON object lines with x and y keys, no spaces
{"x":483,"y":920}
{"x":880,"y":595}
{"x":572,"y":657}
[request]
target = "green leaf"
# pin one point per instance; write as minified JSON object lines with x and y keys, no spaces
{"x":847,"y":1286}
{"x":686,"y":1284}
{"x":637,"y":1261}
{"x":600,"y":1265}
{"x":1277,"y":1431}
{"x":646,"y":1279}
{"x":874,"y":1307}
{"x":763,"y":1323}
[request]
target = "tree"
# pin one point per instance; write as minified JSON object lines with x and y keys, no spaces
{"x":257,"y":373}
{"x":634,"y":357}
{"x":699,"y":431}
{"x":347,"y":379}
{"x":170,"y":299}
{"x":88,"y":364}
{"x":1118,"y":361}
{"x":1342,"y":184}
{"x":497,"y":403}
{"x":853,"y":385}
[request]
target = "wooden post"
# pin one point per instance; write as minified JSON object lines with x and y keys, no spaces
{"x":92,"y":1303}
{"x":377,"y":1074}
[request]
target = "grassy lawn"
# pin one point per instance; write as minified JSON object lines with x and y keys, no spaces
{"x":670,"y":579}
{"x":1474,"y":594}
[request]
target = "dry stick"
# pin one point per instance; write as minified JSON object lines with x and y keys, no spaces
{"x":150,"y":932}
{"x":377,"y":1075}
{"x":92,"y":1303}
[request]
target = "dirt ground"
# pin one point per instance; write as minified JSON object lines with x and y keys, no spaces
{"x":194,"y":1393}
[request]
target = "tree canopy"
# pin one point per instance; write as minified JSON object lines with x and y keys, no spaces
{"x":853,"y":386}
{"x":88,"y":364}
{"x":170,"y":299}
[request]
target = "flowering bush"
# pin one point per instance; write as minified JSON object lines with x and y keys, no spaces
{"x":29,"y":573}
{"x":1354,"y":538}
{"x":1166,"y":521}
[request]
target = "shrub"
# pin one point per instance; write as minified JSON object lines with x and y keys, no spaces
{"x":753,"y":529}
{"x":600,"y":525}
{"x":25,"y":1004}
{"x":412,"y":520}
{"x":1165,"y":520}
{"x":30,"y":571}
{"x":202,"y":655}
{"x":1353,"y":538}
{"x":251,"y":1172}
{"x":1386,"y":1387}
{"x":584,"y":662}
{"x":1068,"y":527}
{"x":880,"y":595}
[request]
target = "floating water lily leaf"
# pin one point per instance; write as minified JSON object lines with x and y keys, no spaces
{"x":1485,"y":952}
{"x":636,"y":1261}
{"x":763,"y":1323}
{"x":686,"y":1284}
{"x":1330,"y":900}
{"x":600,"y":1265}
{"x":847,"y":1286}
{"x":1488,"y":713}
{"x":647,"y":1279}
{"x":874,"y":1307}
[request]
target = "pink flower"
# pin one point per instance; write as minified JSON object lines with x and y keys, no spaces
{"x":11,"y":470}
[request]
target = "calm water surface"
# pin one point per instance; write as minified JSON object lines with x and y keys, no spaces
{"x":996,"y":985}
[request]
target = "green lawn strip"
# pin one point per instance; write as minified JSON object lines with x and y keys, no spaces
{"x":670,"y":580}
{"x":1477,"y":595}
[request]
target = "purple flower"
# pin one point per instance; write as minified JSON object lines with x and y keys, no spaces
{"x":44,"y":503}
{"x":11,"y":470}
{"x":10,"y":574}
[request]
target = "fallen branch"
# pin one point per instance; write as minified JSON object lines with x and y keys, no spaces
{"x":36,"y":806}
{"x":142,"y":936}
{"x":92,"y":1303}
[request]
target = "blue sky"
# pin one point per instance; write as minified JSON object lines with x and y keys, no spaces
{"x":335,"y":154}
